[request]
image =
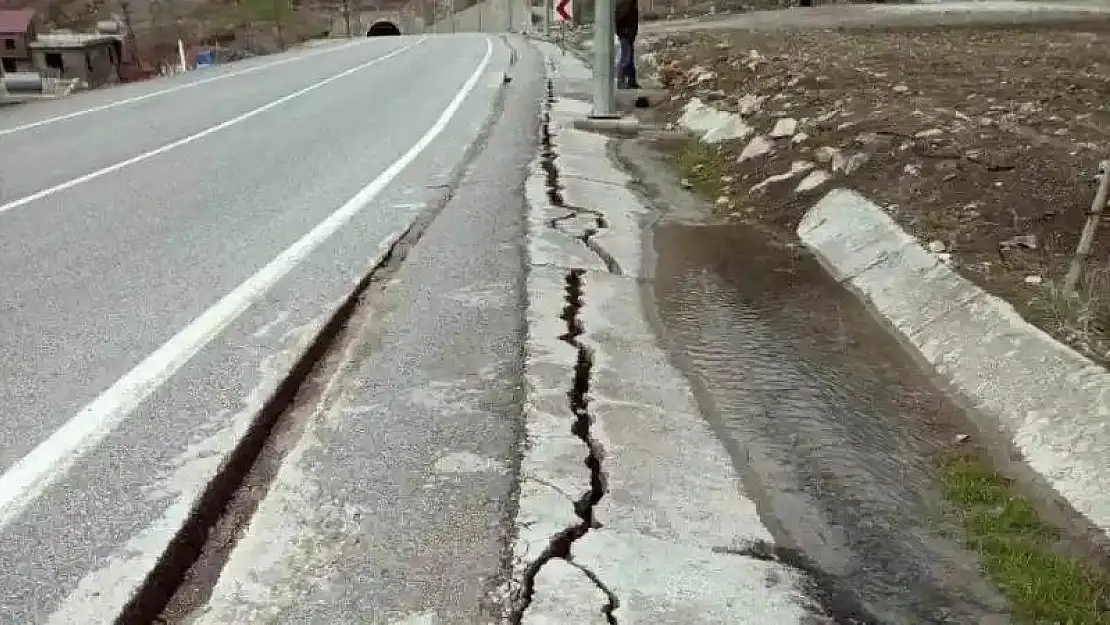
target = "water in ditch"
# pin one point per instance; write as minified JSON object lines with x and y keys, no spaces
{"x":835,"y":428}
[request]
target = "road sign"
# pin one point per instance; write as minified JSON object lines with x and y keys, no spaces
{"x":564,"y":11}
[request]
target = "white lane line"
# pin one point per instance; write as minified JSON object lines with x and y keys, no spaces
{"x":53,"y":457}
{"x":174,"y":89}
{"x":38,"y":195}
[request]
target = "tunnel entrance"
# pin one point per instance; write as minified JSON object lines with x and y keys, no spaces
{"x":383,"y":29}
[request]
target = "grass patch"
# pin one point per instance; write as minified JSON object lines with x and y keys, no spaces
{"x":1019,"y":551}
{"x":703,"y":167}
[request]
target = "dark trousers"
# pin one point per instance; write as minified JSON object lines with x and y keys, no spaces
{"x":626,"y":63}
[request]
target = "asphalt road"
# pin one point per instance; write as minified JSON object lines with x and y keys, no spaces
{"x":165,"y":251}
{"x":396,"y":501}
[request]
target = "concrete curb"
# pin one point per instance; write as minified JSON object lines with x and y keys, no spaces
{"x":1051,"y":403}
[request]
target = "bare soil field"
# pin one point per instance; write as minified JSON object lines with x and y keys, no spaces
{"x":981,"y":141}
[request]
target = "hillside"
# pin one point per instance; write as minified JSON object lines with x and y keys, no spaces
{"x":247,"y":26}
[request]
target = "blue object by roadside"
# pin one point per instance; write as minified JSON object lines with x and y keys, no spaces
{"x":206,"y":58}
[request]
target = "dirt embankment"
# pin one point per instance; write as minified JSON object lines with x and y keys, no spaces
{"x":981,"y":141}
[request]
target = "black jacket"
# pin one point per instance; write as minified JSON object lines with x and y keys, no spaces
{"x":627,"y":18}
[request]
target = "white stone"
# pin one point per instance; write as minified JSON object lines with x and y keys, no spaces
{"x":813,"y":180}
{"x":825,"y":154}
{"x":796,"y":168}
{"x":750,"y":103}
{"x":784,"y":127}
{"x":712,"y":125}
{"x":758,"y":146}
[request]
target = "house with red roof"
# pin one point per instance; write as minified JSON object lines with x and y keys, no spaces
{"x":17,"y":31}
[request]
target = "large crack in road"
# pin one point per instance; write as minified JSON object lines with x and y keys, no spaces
{"x":555,"y":191}
{"x":578,"y":393}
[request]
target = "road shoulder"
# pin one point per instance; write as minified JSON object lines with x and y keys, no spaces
{"x":621,"y":478}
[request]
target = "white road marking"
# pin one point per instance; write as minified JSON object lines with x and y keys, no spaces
{"x":69,"y":184}
{"x":53,"y":457}
{"x":174,"y":89}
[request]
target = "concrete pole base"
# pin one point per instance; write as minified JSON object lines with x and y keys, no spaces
{"x":623,"y":126}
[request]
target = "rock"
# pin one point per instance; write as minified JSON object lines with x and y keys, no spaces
{"x":932,"y":132}
{"x":700,"y":74}
{"x":936,"y":247}
{"x":784,"y":127}
{"x":758,"y":146}
{"x":1034,"y":280}
{"x":799,"y":138}
{"x":686,"y":184}
{"x":911,"y":170}
{"x":962,"y":438}
{"x":813,"y":180}
{"x":901,"y":88}
{"x":849,"y":165}
{"x":722,"y":200}
{"x":796,"y":168}
{"x":825,"y":154}
{"x":750,"y":103}
{"x":1026,"y":241}
{"x":712,"y":125}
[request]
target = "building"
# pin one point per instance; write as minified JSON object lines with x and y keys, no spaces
{"x":93,"y":58}
{"x":17,"y":31}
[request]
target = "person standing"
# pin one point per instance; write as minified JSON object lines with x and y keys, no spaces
{"x":627,"y":24}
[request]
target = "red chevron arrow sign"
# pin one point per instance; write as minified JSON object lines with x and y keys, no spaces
{"x":563,"y":11}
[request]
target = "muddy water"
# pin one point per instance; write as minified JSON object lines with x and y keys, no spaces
{"x":835,"y":429}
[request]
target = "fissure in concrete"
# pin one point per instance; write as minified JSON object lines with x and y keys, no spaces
{"x":579,"y":402}
{"x":578,"y":393}
{"x":555,"y":193}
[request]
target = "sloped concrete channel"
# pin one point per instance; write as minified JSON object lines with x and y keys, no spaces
{"x":833,"y":426}
{"x":838,"y":428}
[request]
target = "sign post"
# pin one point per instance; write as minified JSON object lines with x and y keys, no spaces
{"x":564,"y":11}
{"x":604,"y":96}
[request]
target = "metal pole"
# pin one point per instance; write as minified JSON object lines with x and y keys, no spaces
{"x":604,"y":97}
{"x":547,"y":20}
{"x":510,"y":3}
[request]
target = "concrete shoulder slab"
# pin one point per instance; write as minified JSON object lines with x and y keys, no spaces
{"x":563,"y":595}
{"x":664,"y":583}
{"x":1053,"y":403}
{"x":647,"y":420}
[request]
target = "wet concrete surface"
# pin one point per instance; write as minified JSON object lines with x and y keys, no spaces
{"x":836,"y":430}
